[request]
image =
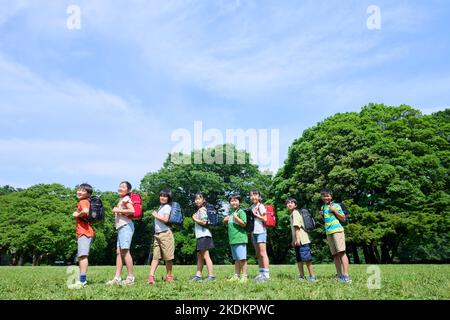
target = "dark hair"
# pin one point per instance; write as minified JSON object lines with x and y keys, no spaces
{"x":201,"y":195}
{"x":86,"y":187}
{"x":255,"y":192}
{"x":166,"y":193}
{"x":290,"y":199}
{"x":234,"y":196}
{"x":128,"y":185}
{"x":326,"y":191}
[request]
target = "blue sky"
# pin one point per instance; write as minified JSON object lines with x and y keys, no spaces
{"x":99,"y":104}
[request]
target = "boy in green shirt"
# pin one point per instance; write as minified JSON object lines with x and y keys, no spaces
{"x":238,"y":239}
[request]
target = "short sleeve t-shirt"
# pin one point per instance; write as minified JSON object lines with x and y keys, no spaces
{"x":332,"y":224}
{"x":201,"y":231}
{"x":236,"y":233}
{"x":259,"y":224}
{"x":296,"y":220}
{"x":161,"y":226}
{"x":121,"y":220}
{"x":83,"y":228}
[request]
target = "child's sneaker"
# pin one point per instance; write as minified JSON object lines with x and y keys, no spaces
{"x":345,"y":279}
{"x":115,"y":281}
{"x":169,"y":278}
{"x":210,"y":278}
{"x":312,"y":278}
{"x":128,"y":281}
{"x":243,"y":279}
{"x":301,"y":279}
{"x":234,"y":278}
{"x":151,"y":280}
{"x":196,"y":278}
{"x":261,"y":278}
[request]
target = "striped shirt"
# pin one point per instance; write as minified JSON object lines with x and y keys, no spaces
{"x":332,"y":224}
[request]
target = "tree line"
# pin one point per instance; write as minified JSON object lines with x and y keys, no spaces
{"x":389,"y":165}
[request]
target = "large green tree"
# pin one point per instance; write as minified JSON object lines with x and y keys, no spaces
{"x":391,"y":166}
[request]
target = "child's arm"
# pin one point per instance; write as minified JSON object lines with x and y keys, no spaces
{"x":336,"y":213}
{"x":164,"y":219}
{"x":84,"y":211}
{"x":260,"y":216}
{"x":129,"y":211}
{"x":239,"y":221}
{"x":199,"y":221}
{"x":225,"y":220}
{"x":297,"y":236}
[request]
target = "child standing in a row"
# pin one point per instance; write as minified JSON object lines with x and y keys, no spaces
{"x":204,"y":239}
{"x":238,"y":239}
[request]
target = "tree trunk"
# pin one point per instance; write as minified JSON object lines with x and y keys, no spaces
{"x":385,"y":258}
{"x":376,"y":253}
{"x":366,"y":254}
{"x":355,"y":255}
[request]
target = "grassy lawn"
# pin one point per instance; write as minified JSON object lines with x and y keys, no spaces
{"x":397,"y":282}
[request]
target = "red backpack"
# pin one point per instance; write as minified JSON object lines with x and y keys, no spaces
{"x":271,"y":219}
{"x":137,"y":204}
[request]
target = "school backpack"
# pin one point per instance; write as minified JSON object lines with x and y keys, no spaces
{"x":213,"y":215}
{"x":176,"y":217}
{"x":250,"y":220}
{"x":345,"y":211}
{"x":270,"y":214}
{"x":308,"y":220}
{"x":96,"y":211}
{"x":137,"y":205}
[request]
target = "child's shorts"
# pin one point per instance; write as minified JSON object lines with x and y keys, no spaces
{"x":205,"y":243}
{"x":124,"y":236}
{"x":84,"y":244}
{"x":259,"y":238}
{"x":239,"y":251}
{"x":164,"y":246}
{"x":303,"y":253}
{"x":336,"y":242}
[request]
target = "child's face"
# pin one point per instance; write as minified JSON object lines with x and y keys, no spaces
{"x":199,"y":201}
{"x":255,"y":198}
{"x":123,"y":190}
{"x":326,"y":198}
{"x":163,"y":199}
{"x":235,"y":203}
{"x":82,"y":194}
{"x":291,"y":205}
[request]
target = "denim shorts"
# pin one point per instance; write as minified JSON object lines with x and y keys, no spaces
{"x":303,"y":253}
{"x":124,"y":236}
{"x":259,"y":238}
{"x":239,"y":251}
{"x":84,"y":244}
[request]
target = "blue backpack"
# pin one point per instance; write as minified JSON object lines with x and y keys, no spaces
{"x":213,"y":215}
{"x":176,"y":217}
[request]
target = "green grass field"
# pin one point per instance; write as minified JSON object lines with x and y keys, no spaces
{"x":397,"y":282}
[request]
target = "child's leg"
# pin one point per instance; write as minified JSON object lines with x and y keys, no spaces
{"x":199,"y":263}
{"x":344,"y":262}
{"x":237,"y":267}
{"x":119,"y":263}
{"x":337,"y":264}
{"x":243,"y":267}
{"x":208,"y":261}
{"x":310,"y":268}
{"x":128,"y":261}
{"x":264,"y":258}
{"x":153,"y":267}
{"x":258,"y":255}
{"x":300,"y":269}
{"x":169,"y":265}
{"x":83,"y":264}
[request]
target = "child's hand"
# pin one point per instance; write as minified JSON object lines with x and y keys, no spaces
{"x":321,"y":214}
{"x":293,"y":244}
{"x":154,"y":214}
{"x":75,"y":214}
{"x":225,"y":220}
{"x":115,"y":210}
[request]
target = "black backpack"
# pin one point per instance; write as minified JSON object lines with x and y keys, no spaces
{"x":213,"y":215}
{"x":308,"y":220}
{"x":96,"y":211}
{"x":250,"y":220}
